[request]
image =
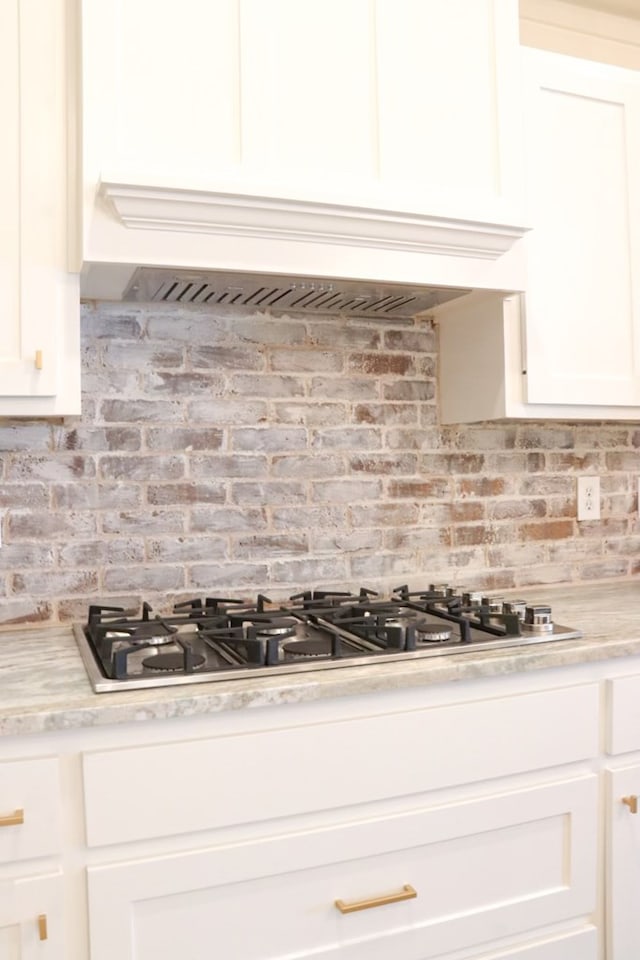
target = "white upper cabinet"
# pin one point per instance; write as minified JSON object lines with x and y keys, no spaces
{"x":570,"y":348}
{"x":363,"y":138}
{"x":583,"y":304}
{"x":39,"y":305}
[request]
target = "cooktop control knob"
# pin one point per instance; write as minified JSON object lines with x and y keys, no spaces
{"x":517,"y":607}
{"x":538,"y":619}
{"x":472,"y":599}
{"x":494,"y":604}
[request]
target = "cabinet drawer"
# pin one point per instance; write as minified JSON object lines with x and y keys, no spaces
{"x":483,"y":870}
{"x":265,"y":775}
{"x":29,"y":809}
{"x":623,"y":701}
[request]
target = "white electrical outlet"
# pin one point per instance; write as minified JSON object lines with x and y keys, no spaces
{"x":588,"y":498}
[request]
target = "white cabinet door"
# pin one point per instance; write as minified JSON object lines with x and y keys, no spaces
{"x":583,"y":301}
{"x":39,"y":303}
{"x":31,"y":919}
{"x":622,"y":885}
{"x":457,"y":875}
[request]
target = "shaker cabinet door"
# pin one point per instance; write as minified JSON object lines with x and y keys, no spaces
{"x":31,"y":919}
{"x":39,"y":301}
{"x":622,"y":885}
{"x":583,"y":253}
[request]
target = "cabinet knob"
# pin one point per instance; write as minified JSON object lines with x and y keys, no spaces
{"x":12,"y":819}
{"x":407,"y":893}
{"x":42,"y":926}
{"x":631,"y":802}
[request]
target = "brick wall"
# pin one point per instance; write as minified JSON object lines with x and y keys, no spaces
{"x":231,"y":453}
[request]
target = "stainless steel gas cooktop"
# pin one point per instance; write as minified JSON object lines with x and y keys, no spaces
{"x":221,"y":639}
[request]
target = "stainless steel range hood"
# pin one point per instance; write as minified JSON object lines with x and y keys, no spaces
{"x":275,"y":292}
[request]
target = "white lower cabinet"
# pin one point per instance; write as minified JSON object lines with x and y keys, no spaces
{"x":623,"y":864}
{"x":31,"y":918}
{"x":623,"y":819}
{"x":455,"y":875}
{"x":31,"y":881}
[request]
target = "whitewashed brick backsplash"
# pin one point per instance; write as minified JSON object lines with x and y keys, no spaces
{"x":234,"y":453}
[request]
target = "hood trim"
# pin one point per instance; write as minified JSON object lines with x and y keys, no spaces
{"x":145,"y":207}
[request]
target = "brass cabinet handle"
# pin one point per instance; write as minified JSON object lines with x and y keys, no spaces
{"x":42,"y":926}
{"x":38,"y":360}
{"x":12,"y":819}
{"x":631,"y":802}
{"x":407,"y":893}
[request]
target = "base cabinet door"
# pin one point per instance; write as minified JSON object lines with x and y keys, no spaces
{"x":31,"y":919}
{"x":416,"y":884}
{"x":623,"y":863}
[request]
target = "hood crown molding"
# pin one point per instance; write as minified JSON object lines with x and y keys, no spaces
{"x":146,"y":207}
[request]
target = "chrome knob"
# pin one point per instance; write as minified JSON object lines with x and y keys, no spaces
{"x":517,"y":607}
{"x":473,"y":599}
{"x":495,"y":604}
{"x":441,"y":588}
{"x":538,"y":618}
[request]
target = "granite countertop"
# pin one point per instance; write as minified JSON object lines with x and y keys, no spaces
{"x":57,"y":695}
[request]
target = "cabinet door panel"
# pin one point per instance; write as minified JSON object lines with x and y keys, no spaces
{"x":583,"y":310}
{"x":447,"y":123}
{"x":31,"y":919}
{"x":483,"y":869}
{"x":308,"y":106}
{"x":622,"y":886}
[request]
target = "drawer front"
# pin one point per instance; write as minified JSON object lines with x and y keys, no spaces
{"x":30,"y":809}
{"x":623,"y":703}
{"x":482,"y":870}
{"x":261,"y":776}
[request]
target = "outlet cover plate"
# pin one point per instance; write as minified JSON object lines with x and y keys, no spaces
{"x":588,"y":498}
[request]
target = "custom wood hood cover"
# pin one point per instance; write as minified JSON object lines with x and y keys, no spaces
{"x":373,"y":142}
{"x":374,"y":260}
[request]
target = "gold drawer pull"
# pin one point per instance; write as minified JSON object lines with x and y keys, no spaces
{"x":407,"y":893}
{"x":12,"y":819}
{"x":631,"y":802}
{"x":42,"y":926}
{"x":38,"y":360}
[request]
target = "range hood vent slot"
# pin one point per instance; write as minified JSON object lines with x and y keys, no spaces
{"x":292,"y":294}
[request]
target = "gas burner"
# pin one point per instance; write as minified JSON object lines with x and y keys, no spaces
{"x":320,"y":647}
{"x":281,"y":629}
{"x":172,"y":662}
{"x":432,"y":633}
{"x":150,"y":633}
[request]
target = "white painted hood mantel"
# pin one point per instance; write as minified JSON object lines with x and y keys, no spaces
{"x":385,"y":151}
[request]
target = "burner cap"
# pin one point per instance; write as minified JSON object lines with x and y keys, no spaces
{"x":152,"y":632}
{"x":171,"y":662}
{"x":308,"y":648}
{"x":432,"y":633}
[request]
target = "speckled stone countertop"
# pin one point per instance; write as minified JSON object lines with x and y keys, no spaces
{"x":57,"y":695}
